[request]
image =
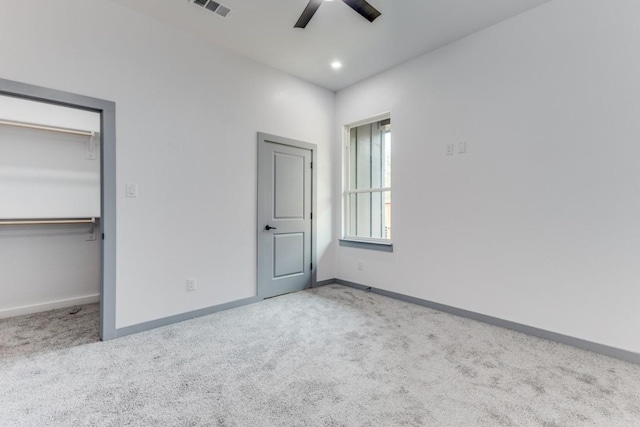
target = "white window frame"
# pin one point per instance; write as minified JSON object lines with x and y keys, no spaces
{"x":346,"y":184}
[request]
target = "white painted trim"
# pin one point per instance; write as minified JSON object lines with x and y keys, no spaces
{"x":369,"y":190}
{"x":37,"y":308}
{"x":375,"y":246}
{"x":376,"y":118}
{"x":357,"y":239}
{"x":346,"y":176}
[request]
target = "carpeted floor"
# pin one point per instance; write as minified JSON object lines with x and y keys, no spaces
{"x":50,"y":330}
{"x":331,"y":356}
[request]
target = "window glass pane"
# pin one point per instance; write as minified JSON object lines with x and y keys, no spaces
{"x":369,"y":157}
{"x":377,"y":216}
{"x":363,"y":215}
{"x":363,"y":157}
{"x":353,"y":155}
{"x":387,"y":159}
{"x":377,"y":156}
{"x":353,"y":212}
{"x":370,"y":214}
{"x":369,"y":168}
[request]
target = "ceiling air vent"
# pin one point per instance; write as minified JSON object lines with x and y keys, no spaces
{"x":212,"y":6}
{"x":223,"y":11}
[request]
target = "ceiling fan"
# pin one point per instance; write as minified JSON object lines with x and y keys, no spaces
{"x":367,"y":11}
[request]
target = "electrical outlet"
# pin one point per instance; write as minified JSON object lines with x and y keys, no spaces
{"x":360,"y":265}
{"x":450,"y":150}
{"x":191,"y":285}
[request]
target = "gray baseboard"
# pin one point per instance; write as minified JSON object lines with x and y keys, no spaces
{"x":152,"y":324}
{"x":324,"y":283}
{"x":605,"y":350}
{"x":614,"y":352}
{"x":141,"y":327}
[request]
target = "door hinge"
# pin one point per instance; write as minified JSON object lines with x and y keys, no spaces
{"x":311,"y":215}
{"x":312,"y":266}
{"x":311,"y":165}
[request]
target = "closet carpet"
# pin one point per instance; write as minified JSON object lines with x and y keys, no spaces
{"x":331,"y":356}
{"x":50,"y":330}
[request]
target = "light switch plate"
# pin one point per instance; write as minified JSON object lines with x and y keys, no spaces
{"x":462,"y":147}
{"x":132,"y":190}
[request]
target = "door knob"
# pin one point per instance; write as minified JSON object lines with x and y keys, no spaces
{"x":268,"y":227}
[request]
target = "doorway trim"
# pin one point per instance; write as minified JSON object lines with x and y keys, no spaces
{"x":262,"y":139}
{"x":107,"y":111}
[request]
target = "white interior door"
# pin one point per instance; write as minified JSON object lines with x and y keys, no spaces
{"x":285,"y":238}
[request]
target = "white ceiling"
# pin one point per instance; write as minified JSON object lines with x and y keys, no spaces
{"x":263,"y":30}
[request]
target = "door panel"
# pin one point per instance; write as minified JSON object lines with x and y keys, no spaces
{"x":288,"y":254}
{"x":284,"y":215}
{"x":289,"y":180}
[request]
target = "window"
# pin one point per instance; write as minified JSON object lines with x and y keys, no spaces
{"x":368,"y":182}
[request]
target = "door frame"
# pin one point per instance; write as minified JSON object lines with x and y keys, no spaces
{"x":107,"y":111}
{"x":262,"y":139}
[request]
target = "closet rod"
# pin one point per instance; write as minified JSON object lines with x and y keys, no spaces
{"x":45,"y":127}
{"x":47,"y":221}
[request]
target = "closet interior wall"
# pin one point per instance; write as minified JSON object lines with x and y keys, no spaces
{"x":46,"y":174}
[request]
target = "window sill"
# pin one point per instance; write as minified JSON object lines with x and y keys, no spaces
{"x":374,"y":246}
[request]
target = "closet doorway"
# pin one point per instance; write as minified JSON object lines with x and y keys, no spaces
{"x":57,"y":203}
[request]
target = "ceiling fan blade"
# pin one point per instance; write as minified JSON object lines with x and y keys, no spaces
{"x":308,"y":13}
{"x":367,"y":11}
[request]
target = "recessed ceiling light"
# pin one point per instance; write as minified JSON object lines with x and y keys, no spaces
{"x":336,"y":65}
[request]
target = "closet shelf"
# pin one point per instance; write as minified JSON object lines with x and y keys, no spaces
{"x":47,"y":221}
{"x":46,"y":127}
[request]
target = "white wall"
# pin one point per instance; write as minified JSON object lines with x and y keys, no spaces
{"x":46,"y":174}
{"x":539,"y":222}
{"x":187,"y":117}
{"x":40,"y":113}
{"x":47,"y":267}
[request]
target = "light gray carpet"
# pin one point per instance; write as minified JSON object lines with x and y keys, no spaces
{"x":50,"y":330}
{"x":332,"y":356}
